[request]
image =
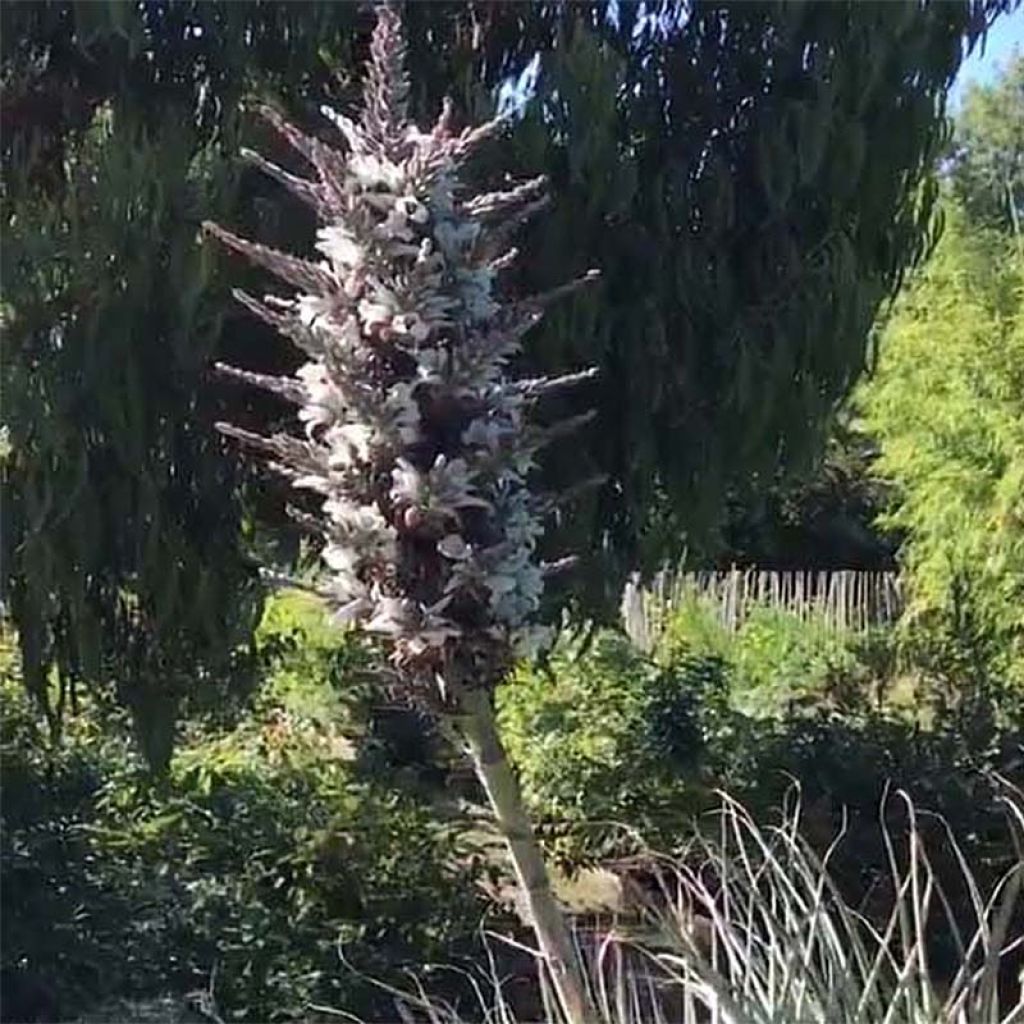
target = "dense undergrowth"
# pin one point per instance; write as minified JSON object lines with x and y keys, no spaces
{"x":239,"y":873}
{"x":313,"y":820}
{"x":608,"y":734}
{"x":619,"y":751}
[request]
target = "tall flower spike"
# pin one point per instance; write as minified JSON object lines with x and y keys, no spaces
{"x":410,"y":430}
{"x":406,"y":383}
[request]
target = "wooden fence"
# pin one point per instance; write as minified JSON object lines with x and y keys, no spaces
{"x":838,"y":600}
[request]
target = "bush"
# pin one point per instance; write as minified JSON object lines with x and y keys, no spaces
{"x":261,"y":850}
{"x":610,"y":744}
{"x":776,"y":662}
{"x":66,"y":913}
{"x":609,"y":736}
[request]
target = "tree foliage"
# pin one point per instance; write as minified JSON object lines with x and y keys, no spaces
{"x":947,"y":410}
{"x":822,"y":519}
{"x":123,"y":536}
{"x":121,"y":522}
{"x":751,"y":198}
{"x":988,"y":156}
{"x":749,"y":178}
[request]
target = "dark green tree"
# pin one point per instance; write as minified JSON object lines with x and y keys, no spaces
{"x":123,"y":533}
{"x":752,"y":180}
{"x":822,"y":520}
{"x":753,"y":185}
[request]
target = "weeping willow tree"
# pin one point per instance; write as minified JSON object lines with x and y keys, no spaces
{"x":123,"y":537}
{"x":751,"y":179}
{"x":753,"y":183}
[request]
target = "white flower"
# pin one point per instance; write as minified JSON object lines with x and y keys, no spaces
{"x":483,"y":433}
{"x":412,"y":208}
{"x":528,"y":641}
{"x":349,"y":444}
{"x":403,"y":412}
{"x":429,"y":263}
{"x":314,"y":376}
{"x":412,"y":325}
{"x":313,"y":309}
{"x":440,"y":492}
{"x":325,"y":403}
{"x":342,"y":558}
{"x":345,"y":588}
{"x":361,"y":527}
{"x":513,"y":605}
{"x":431,"y":363}
{"x":395,"y":225}
{"x":465,"y":575}
{"x":522,"y":528}
{"x":433,"y":633}
{"x":514,"y":583}
{"x":375,"y":313}
{"x":352,"y":610}
{"x":401,"y":214}
{"x":347,"y":594}
{"x":408,"y":484}
{"x":392,"y":616}
{"x":374,"y":171}
{"x":359,"y":537}
{"x":450,"y":485}
{"x":337,"y":243}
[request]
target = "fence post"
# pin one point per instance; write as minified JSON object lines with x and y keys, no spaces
{"x":840,"y":600}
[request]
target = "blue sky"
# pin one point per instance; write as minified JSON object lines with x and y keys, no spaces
{"x":1005,"y":35}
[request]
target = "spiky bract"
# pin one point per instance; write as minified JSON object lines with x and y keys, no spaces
{"x":414,"y":435}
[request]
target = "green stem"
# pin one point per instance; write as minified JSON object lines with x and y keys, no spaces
{"x":479,"y":730}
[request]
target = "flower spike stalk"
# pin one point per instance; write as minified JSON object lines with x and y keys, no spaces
{"x":413,"y":434}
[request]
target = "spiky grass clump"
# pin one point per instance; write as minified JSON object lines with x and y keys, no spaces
{"x":779,"y":943}
{"x":750,"y":929}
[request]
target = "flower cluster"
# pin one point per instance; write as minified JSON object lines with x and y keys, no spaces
{"x":412,"y":431}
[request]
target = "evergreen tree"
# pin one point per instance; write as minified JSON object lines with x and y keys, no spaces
{"x":946,"y":410}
